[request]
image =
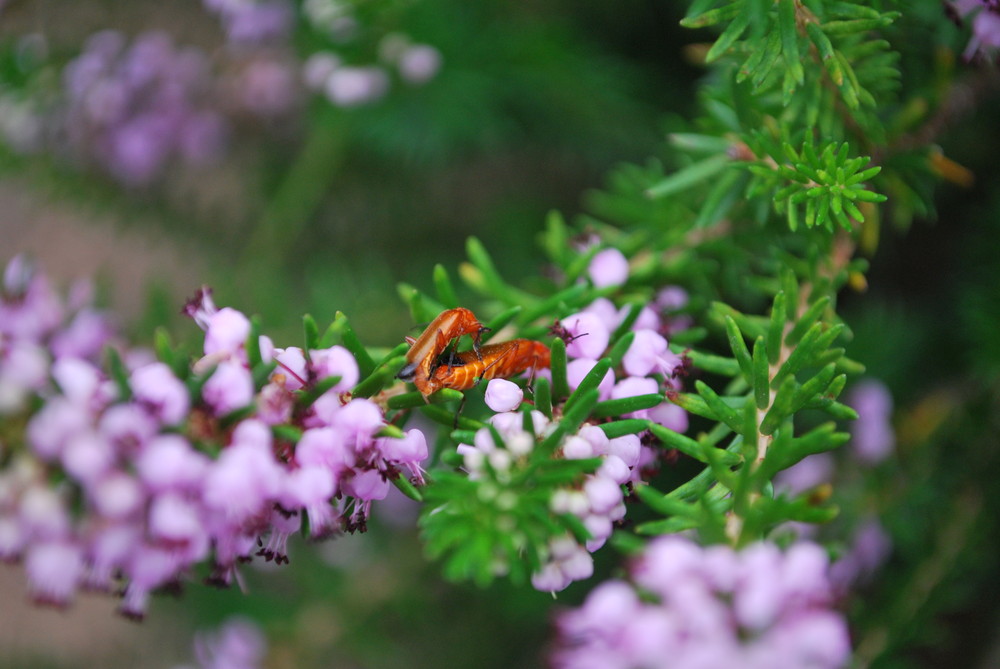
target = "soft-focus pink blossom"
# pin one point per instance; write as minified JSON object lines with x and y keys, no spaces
{"x":608,"y":268}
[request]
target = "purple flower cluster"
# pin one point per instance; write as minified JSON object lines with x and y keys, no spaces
{"x":135,"y":108}
{"x":648,"y":367}
{"x":133,"y":479}
{"x":253,"y":22}
{"x":697,"y":607}
{"x":354,"y":85}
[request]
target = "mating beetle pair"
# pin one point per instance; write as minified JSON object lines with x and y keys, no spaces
{"x":431,"y":367}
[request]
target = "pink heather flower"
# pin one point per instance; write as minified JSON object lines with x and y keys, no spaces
{"x":54,"y":569}
{"x":318,"y":68}
{"x":577,"y":369}
{"x":250,"y":23}
{"x":600,"y":528}
{"x":43,"y":514}
{"x":633,"y":386}
{"x":266,"y":87}
{"x":410,"y":451}
{"x":359,"y":420}
{"x":510,"y":425}
{"x":79,"y":380}
{"x":647,"y":319}
{"x":419,"y":63}
{"x":29,"y":307}
{"x":275,"y":404}
{"x":87,"y":456}
{"x":107,"y":550}
{"x":147,"y":568}
{"x":84,"y":337}
{"x":203,"y":138}
{"x":266,"y":346}
{"x":241,"y":483}
{"x":169,"y":462}
{"x":127,"y":427}
{"x":874,"y":439}
{"x":138,"y":149}
{"x":569,"y":562}
{"x":503,"y":395}
{"x":367,"y":485}
{"x":607,"y":312}
{"x":324,"y":410}
{"x":155,"y":387}
{"x":238,"y":644}
{"x":24,"y":369}
{"x":326,"y":447}
{"x":229,"y":388}
{"x":807,"y":473}
{"x":869,"y":549}
{"x":283,"y":525}
{"x":13,"y":539}
{"x":292,"y":365}
{"x":577,"y":448}
{"x":53,"y":425}
{"x":649,"y":354}
{"x":349,"y":86}
{"x":201,"y":308}
{"x":671,"y":298}
{"x":985,"y":26}
{"x":590,"y":335}
{"x":116,"y":495}
{"x":616,"y":469}
{"x":176,"y":521}
{"x":226,"y":333}
{"x":596,"y":437}
{"x":608,"y":268}
{"x":670,"y":416}
{"x":627,"y":447}
{"x":603,"y":494}
{"x":311,"y":488}
{"x":335,"y":361}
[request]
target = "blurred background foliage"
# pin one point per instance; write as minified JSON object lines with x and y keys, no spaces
{"x":537,"y":103}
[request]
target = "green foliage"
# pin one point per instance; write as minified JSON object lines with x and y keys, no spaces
{"x":828,"y":185}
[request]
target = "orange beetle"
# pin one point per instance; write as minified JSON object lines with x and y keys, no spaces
{"x":496,"y":361}
{"x":428,"y":347}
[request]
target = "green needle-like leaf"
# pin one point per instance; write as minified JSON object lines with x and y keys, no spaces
{"x":739,"y":347}
{"x":620,"y":348}
{"x":543,"y":396}
{"x":620,"y":428}
{"x":310,"y":333}
{"x":760,"y":379}
{"x":590,"y":381}
{"x":776,"y":328}
{"x":415,"y":399}
{"x":720,"y":409}
{"x":443,"y":286}
{"x":404,"y":486}
{"x":382,"y":376}
{"x":624,"y":405}
{"x":689,"y":176}
{"x":560,"y":386}
{"x":810,"y":316}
